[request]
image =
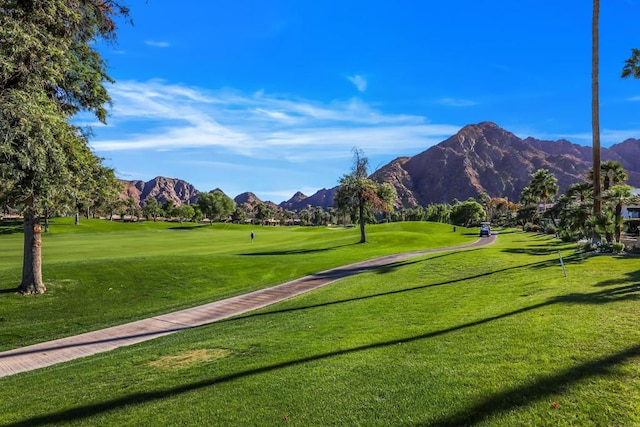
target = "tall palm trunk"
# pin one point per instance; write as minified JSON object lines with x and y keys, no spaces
{"x":595,"y":110}
{"x":595,"y":115}
{"x":32,"y":261}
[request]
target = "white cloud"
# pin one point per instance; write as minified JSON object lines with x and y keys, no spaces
{"x":452,"y":102}
{"x":172,"y":117}
{"x":156,"y":43}
{"x":607,"y":136}
{"x":288,"y":193}
{"x":359,"y":82}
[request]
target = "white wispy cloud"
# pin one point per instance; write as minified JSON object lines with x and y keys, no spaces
{"x":157,"y":43}
{"x":287,"y":193}
{"x":607,"y":136}
{"x":453,"y":102}
{"x":359,"y":82}
{"x":169,"y":116}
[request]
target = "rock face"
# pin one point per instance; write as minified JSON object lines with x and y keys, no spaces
{"x":395,"y":174}
{"x":249,"y":199}
{"x":162,"y":189}
{"x":294,"y":202}
{"x":321,"y":198}
{"x":486,"y":158}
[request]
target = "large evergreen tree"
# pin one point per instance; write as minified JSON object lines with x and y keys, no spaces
{"x":49,"y":71}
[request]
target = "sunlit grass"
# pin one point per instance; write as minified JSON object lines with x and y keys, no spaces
{"x":490,"y":336}
{"x":102,"y":273}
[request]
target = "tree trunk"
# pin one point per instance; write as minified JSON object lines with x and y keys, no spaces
{"x":32,"y":261}
{"x":618,"y":222}
{"x":595,"y":114}
{"x":363,"y":236}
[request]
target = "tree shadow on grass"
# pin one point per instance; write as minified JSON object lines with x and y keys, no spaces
{"x":504,"y":401}
{"x":9,"y":291}
{"x":468,"y":233}
{"x":530,"y":251}
{"x":298,"y":251}
{"x":383,"y":270}
{"x":544,"y":248}
{"x":188,"y":227}
{"x":11,"y":226}
{"x":633,"y":276}
{"x":544,"y":387}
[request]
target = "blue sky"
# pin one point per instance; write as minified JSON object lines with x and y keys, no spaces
{"x":271,"y":96}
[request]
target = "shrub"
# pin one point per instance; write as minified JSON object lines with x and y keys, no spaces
{"x":527,"y":226}
{"x":586,"y":246}
{"x":567,"y":236}
{"x":604,"y":247}
{"x":618,"y":247}
{"x":550,"y":229}
{"x":535,"y":228}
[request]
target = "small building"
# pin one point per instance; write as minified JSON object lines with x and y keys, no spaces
{"x":632,"y":211}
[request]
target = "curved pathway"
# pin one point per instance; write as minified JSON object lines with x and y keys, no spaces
{"x":64,"y":349}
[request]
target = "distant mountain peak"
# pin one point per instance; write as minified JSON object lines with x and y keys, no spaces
{"x":247,"y":198}
{"x":481,"y":157}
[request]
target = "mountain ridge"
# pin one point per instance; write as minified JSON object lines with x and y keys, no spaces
{"x":480,"y":157}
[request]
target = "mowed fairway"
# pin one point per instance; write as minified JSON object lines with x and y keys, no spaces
{"x":103,"y":273}
{"x":487,"y":336}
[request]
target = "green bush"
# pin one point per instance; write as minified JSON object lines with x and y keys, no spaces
{"x":567,"y":236}
{"x":550,"y":229}
{"x":527,"y":227}
{"x":586,"y":246}
{"x":618,"y":247}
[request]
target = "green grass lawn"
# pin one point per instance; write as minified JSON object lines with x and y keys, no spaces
{"x":489,"y":336}
{"x":103,"y":273}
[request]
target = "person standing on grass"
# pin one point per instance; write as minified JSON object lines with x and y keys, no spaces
{"x":252,"y":236}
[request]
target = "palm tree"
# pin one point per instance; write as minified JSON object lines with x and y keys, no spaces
{"x":579,"y":191}
{"x":632,"y":65}
{"x":604,"y":223}
{"x":595,"y":110}
{"x":543,"y":186}
{"x":612,"y":174}
{"x":617,"y":196}
{"x":528,"y":210}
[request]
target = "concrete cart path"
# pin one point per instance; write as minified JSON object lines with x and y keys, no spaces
{"x":64,"y":349}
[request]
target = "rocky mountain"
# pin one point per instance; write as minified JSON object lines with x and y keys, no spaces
{"x":248,"y":199}
{"x":480,"y":158}
{"x":486,"y":158}
{"x":628,"y":152}
{"x":395,"y":174}
{"x":295,"y":202}
{"x":162,"y":189}
{"x":322,"y":198}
